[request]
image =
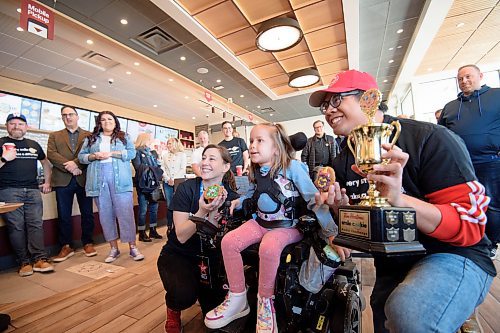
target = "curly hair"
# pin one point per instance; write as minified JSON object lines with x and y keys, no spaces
{"x":117,"y":132}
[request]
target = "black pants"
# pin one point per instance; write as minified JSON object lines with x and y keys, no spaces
{"x":180,"y":275}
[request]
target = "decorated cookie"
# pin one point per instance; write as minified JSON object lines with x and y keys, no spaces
{"x":324,"y":178}
{"x":211,"y":192}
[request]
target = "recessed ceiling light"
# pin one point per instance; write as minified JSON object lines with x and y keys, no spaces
{"x":90,"y":41}
{"x":258,"y":106}
{"x":19,"y":29}
{"x":391,"y":61}
{"x":385,"y":81}
{"x":391,"y":48}
{"x":399,"y":31}
{"x":399,"y":46}
{"x":171,"y":80}
{"x":271,"y":114}
{"x":219,"y":87}
{"x":155,"y":106}
{"x":461,"y":24}
{"x":18,"y":10}
{"x":94,"y":86}
{"x":186,"y":97}
{"x":193,"y":118}
{"x":218,"y":81}
{"x":123,"y":21}
{"x":242,"y":97}
{"x":202,"y":70}
{"x":128,"y":72}
{"x":429,"y":69}
{"x":183,"y":58}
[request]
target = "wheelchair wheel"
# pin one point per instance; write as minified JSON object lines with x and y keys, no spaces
{"x":346,"y":317}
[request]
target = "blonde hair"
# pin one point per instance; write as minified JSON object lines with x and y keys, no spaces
{"x":285,"y":155}
{"x":143,"y":140}
{"x":176,"y":145}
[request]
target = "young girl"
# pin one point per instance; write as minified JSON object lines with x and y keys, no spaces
{"x":277,"y":180}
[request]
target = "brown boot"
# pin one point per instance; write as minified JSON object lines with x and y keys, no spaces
{"x":173,"y":323}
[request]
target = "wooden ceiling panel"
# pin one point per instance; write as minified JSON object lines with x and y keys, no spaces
{"x":277,"y":81}
{"x":257,"y":11}
{"x":267,"y":71}
{"x":333,"y":67}
{"x":241,"y":42}
{"x":324,"y":56}
{"x":492,"y":56}
{"x":494,"y":18}
{"x":256,"y":58}
{"x":296,"y":4}
{"x":326,"y":79}
{"x":232,"y":22}
{"x":193,"y":7}
{"x":300,"y":48}
{"x":470,"y":23}
{"x":320,"y":15}
{"x":283,"y":90}
{"x":296,"y":63}
{"x":460,"y":7}
{"x":326,"y":37}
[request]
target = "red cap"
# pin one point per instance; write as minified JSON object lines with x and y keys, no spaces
{"x":346,"y":81}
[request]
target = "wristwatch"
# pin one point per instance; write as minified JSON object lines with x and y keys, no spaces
{"x":3,"y":160}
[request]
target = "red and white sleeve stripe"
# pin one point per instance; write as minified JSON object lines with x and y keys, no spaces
{"x":463,"y":218}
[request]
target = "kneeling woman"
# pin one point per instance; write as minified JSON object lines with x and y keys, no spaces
{"x":182,"y":267}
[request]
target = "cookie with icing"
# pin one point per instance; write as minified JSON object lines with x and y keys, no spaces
{"x":212,"y":192}
{"x":324,"y":178}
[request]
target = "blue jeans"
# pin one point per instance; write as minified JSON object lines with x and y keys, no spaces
{"x":25,"y":225}
{"x":437,"y":295}
{"x":64,"y":197}
{"x":143,"y":207}
{"x":169,"y":195}
{"x":488,"y":174}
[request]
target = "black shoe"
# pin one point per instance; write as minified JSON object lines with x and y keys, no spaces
{"x":4,"y":321}
{"x":154,"y":234}
{"x":143,"y":236}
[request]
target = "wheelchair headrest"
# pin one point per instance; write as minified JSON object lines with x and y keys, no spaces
{"x":298,"y":140}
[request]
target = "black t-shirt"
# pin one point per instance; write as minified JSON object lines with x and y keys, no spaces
{"x":21,"y":172}
{"x":236,"y":147}
{"x":438,"y":160}
{"x":186,"y":199}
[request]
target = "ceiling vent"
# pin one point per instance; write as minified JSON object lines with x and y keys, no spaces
{"x":267,"y":110}
{"x":79,"y":92}
{"x":156,"y":40}
{"x":52,"y":84}
{"x":97,"y":60}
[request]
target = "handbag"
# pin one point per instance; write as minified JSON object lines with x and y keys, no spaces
{"x":157,"y":195}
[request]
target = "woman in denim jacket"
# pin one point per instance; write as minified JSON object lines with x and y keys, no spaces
{"x":108,"y":151}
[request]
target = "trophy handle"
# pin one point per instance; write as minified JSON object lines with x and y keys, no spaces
{"x":397,"y":125}
{"x":349,"y":144}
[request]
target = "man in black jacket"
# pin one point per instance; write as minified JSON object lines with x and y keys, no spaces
{"x":320,"y":149}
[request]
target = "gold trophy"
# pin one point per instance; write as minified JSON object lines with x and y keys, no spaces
{"x":373,"y":225}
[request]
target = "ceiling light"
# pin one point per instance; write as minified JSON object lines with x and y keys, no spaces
{"x":461,"y":24}
{"x":385,"y":81}
{"x":278,"y":34}
{"x":391,"y":48}
{"x":90,"y":41}
{"x":303,"y":78}
{"x":391,"y":61}
{"x":94,"y":86}
{"x":128,"y":72}
{"x":399,"y":31}
{"x":271,"y":114}
{"x":219,"y":87}
{"x":399,"y":46}
{"x":155,"y":106}
{"x":186,"y":97}
{"x":18,"y":10}
{"x":171,"y":80}
{"x":242,"y":97}
{"x":123,"y":21}
{"x":183,"y":58}
{"x":136,"y":63}
{"x":258,"y":106}
{"x":218,"y":81}
{"x":202,"y":70}
{"x":19,"y":29}
{"x":193,"y":118}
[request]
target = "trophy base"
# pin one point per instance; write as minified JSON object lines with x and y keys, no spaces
{"x":388,"y":231}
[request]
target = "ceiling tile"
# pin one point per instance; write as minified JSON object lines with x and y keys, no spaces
{"x":296,"y":63}
{"x":277,"y":81}
{"x":283,"y":90}
{"x":256,"y":58}
{"x":296,"y":4}
{"x":465,"y":6}
{"x":240,"y":42}
{"x":324,"y":56}
{"x":193,"y":7}
{"x":13,"y":45}
{"x":298,"y":49}
{"x":232,"y":22}
{"x":320,"y":15}
{"x":333,"y":67}
{"x":257,"y":11}
{"x":471,"y":22}
{"x":326,"y":37}
{"x":66,"y":77}
{"x":268,"y":71}
{"x":20,"y":75}
{"x":32,"y":67}
{"x":6,"y":58}
{"x":47,"y":57}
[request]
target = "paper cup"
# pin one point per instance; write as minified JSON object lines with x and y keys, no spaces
{"x":239,"y":170}
{"x":9,"y":146}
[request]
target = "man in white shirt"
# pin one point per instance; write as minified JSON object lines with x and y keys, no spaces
{"x":197,"y":153}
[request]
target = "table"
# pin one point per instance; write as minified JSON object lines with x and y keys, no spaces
{"x":9,"y":207}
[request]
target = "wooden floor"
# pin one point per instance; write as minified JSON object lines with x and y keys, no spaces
{"x":132,"y":300}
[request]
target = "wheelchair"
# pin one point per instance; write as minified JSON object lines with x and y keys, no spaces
{"x":336,"y":308}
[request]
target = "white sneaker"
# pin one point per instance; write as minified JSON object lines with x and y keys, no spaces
{"x":234,"y":306}
{"x":113,"y":254}
{"x":266,"y":315}
{"x":135,"y":254}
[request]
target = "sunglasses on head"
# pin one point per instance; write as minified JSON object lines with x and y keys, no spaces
{"x":336,"y":99}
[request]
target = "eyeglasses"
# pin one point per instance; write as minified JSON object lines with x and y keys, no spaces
{"x":68,"y":115}
{"x":335,"y":100}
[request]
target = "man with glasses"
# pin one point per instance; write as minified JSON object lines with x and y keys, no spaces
{"x":430,"y":171}
{"x":320,"y":150}
{"x":68,"y":179}
{"x":236,"y":146}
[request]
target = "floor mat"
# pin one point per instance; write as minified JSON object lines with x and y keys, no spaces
{"x":94,"y":269}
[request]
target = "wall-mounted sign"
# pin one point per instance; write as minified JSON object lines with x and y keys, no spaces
{"x":208,"y":96}
{"x":250,"y":116}
{"x":37,"y":19}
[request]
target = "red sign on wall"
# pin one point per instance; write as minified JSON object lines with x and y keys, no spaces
{"x":37,"y":19}
{"x":208,"y":96}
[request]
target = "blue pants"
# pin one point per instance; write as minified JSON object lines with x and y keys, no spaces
{"x":64,"y":196}
{"x":25,"y":225}
{"x":437,"y":295}
{"x":143,"y":207}
{"x":488,"y":174}
{"x":114,"y":206}
{"x":169,"y":195}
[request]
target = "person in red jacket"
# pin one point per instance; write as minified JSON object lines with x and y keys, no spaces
{"x":431,"y":171}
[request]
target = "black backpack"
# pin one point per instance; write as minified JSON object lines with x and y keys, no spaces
{"x":149,"y":178}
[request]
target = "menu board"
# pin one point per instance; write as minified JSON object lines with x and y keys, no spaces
{"x":9,"y":104}
{"x":31,"y":108}
{"x":135,"y":128}
{"x":84,"y":119}
{"x":51,"y":117}
{"x":123,"y":123}
{"x":165,"y":133}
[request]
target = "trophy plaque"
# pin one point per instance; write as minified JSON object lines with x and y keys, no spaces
{"x":373,"y":225}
